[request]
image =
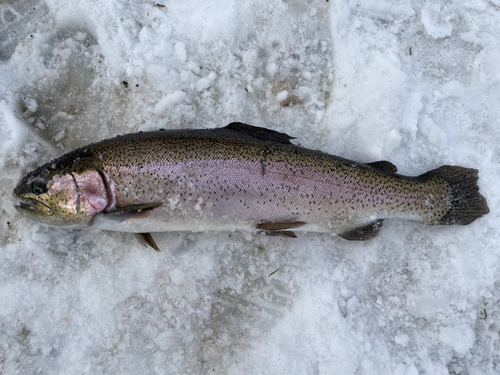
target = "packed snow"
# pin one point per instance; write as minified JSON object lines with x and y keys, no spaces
{"x":413,"y":82}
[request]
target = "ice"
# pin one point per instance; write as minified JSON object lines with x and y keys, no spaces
{"x":413,"y":82}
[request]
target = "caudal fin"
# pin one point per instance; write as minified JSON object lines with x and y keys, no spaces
{"x":465,"y":204}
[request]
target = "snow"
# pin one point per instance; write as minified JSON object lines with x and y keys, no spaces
{"x":180,"y":51}
{"x":436,"y":20}
{"x":460,"y":337}
{"x":413,"y":82}
{"x":282,"y":96}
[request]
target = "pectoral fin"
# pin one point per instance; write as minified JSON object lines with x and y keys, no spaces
{"x":134,"y":208}
{"x":366,"y":232}
{"x":148,"y":240}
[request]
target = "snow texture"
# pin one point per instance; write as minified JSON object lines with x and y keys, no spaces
{"x":413,"y":82}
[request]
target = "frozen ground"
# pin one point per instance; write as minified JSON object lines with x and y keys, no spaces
{"x":413,"y":82}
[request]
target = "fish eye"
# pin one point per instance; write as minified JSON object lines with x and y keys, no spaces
{"x":38,"y":187}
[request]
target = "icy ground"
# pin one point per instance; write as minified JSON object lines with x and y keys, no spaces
{"x":413,"y":82}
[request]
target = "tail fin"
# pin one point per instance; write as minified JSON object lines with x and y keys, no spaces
{"x":466,"y":204}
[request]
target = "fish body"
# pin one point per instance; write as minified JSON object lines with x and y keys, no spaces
{"x":237,"y":177}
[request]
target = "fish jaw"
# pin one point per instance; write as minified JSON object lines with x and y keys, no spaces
{"x":34,"y":209}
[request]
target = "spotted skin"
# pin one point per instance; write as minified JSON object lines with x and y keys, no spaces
{"x":238,"y":177}
{"x":245,"y":176}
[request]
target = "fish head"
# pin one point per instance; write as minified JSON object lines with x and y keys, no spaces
{"x":63,"y":193}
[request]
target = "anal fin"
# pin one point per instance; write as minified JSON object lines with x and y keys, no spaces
{"x":363,"y":233}
{"x":147,"y":240}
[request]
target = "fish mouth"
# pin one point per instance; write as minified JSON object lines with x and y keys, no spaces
{"x":25,"y":206}
{"x":33,"y":206}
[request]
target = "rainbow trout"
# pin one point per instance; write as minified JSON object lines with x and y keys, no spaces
{"x":239,"y":177}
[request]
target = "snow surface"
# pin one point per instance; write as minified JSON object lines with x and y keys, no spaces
{"x":413,"y":82}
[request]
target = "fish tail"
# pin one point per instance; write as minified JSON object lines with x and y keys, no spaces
{"x":465,"y":203}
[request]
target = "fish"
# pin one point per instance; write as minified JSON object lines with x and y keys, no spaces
{"x":238,"y":177}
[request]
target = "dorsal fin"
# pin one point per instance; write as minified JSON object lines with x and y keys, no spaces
{"x":384,"y":166}
{"x":260,"y":133}
{"x":366,"y":232}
